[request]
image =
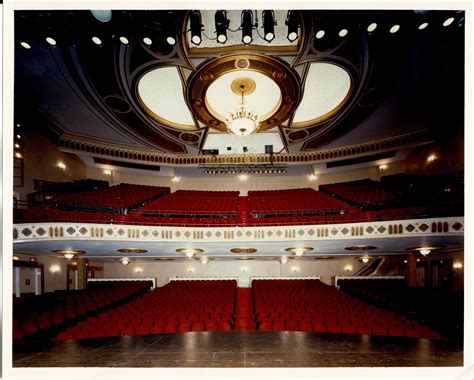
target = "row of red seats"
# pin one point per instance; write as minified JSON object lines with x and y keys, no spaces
{"x":52,"y":310}
{"x":121,"y":196}
{"x":177,"y":306}
{"x":289,"y":303}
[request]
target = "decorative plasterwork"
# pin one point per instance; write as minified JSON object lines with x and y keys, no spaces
{"x":275,"y":69}
{"x":388,"y":229}
{"x":108,"y":151}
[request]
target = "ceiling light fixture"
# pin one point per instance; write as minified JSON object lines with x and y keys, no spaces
{"x":423,"y":26}
{"x":299,"y":251}
{"x":125,"y":261}
{"x":196,"y":27}
{"x":124,"y":40}
{"x":320,"y":34}
{"x":25,"y":45}
{"x":51,"y":41}
{"x":222,"y":23}
{"x":457,"y":266}
{"x":204,"y":260}
{"x":365,"y":259}
{"x":242,"y":121}
{"x":96,"y":40}
{"x":69,"y":256}
{"x":431,"y":158}
{"x":372,"y":27}
{"x":292,"y":23}
{"x":189,"y":252}
{"x":425,"y":251}
{"x":147,"y":41}
{"x":448,"y":21}
{"x":343,"y":32}
{"x":395,"y":29}
{"x":348,"y":268}
{"x":284,"y":260}
{"x":68,"y":253}
{"x":312,"y":177}
{"x":246,"y":26}
{"x":268,"y":25}
{"x":170,"y":29}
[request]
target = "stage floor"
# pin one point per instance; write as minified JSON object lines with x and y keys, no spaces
{"x":241,"y":349}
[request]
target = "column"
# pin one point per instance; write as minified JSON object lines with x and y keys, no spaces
{"x":411,"y":271}
{"x":17,"y":282}
{"x":37,"y":281}
{"x":81,"y":273}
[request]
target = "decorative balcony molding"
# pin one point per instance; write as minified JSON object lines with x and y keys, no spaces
{"x":104,"y":232}
{"x":96,"y":149}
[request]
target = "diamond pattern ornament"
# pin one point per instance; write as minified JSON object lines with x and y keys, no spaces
{"x":26,"y":231}
{"x":187,"y":234}
{"x":301,"y":232}
{"x":311,"y":232}
{"x":381,"y":229}
{"x":279,"y":233}
{"x":156,"y":233}
{"x":457,"y":226}
{"x":248,"y":233}
{"x":239,"y":233}
{"x":83,"y":231}
{"x":109,"y":231}
{"x":70,"y":231}
{"x":41,"y":231}
{"x":410,"y":228}
{"x":345,"y":231}
{"x":218,"y":234}
{"x":370,"y":229}
{"x":15,"y":233}
{"x":423,"y":227}
{"x":208,"y":234}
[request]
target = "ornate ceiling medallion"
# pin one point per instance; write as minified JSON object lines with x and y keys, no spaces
{"x":243,"y":251}
{"x":273,"y":89}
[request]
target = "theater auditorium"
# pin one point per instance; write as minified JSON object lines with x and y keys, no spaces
{"x":244,"y":188}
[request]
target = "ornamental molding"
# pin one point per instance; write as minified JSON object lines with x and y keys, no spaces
{"x":453,"y":226}
{"x":97,"y":149}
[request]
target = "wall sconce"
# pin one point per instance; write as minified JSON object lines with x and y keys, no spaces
{"x":16,"y":258}
{"x":138,"y":270}
{"x":55,"y":268}
{"x":243,"y":177}
{"x":312,"y":177}
{"x":431,"y":158}
{"x":284,"y":260}
{"x":61,"y":165}
{"x":382,"y":167}
{"x":348,"y":268}
{"x":190,"y":270}
{"x":107,"y":172}
{"x":295,"y":269}
{"x":175,"y":179}
{"x":125,"y":261}
{"x":457,"y":266}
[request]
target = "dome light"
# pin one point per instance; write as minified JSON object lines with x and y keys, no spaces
{"x":147,"y":41}
{"x":343,"y":32}
{"x":124,"y":40}
{"x":125,"y":261}
{"x":423,"y":26}
{"x":320,"y":34}
{"x":25,"y":45}
{"x":448,"y":21}
{"x":96,"y":40}
{"x":395,"y":29}
{"x":372,"y":27}
{"x":51,"y":41}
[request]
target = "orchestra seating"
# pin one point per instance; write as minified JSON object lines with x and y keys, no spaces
{"x":179,"y":306}
{"x":45,"y":314}
{"x":310,"y":305}
{"x":419,"y":303}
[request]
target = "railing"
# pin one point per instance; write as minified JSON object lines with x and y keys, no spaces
{"x":202,"y":278}
{"x":284,"y":278}
{"x":368,"y":278}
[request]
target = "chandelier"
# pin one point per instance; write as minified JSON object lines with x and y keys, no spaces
{"x":242,"y":121}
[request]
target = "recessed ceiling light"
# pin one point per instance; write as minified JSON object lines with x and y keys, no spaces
{"x":147,"y":41}
{"x":448,"y":21}
{"x":320,"y":34}
{"x":172,"y":41}
{"x":124,"y":40}
{"x":96,"y":40}
{"x":51,"y":41}
{"x":395,"y":29}
{"x":423,"y":26}
{"x":343,"y":32}
{"x":25,"y":45}
{"x":372,"y":27}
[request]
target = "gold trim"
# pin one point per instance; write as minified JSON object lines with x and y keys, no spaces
{"x":293,"y":250}
{"x":243,"y":86}
{"x":199,"y":82}
{"x":68,"y":252}
{"x":194,"y":250}
{"x":246,"y":48}
{"x":243,"y":250}
{"x":132,"y":250}
{"x":431,"y":248}
{"x":360,"y":248}
{"x":244,"y":258}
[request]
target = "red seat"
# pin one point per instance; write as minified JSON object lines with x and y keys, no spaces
{"x":348,"y":329}
{"x":142,"y":330}
{"x":128,"y":331}
{"x":265,"y":326}
{"x":65,"y":335}
{"x":378,"y":330}
{"x":430,"y":334}
{"x":333,"y":328}
{"x":292,"y":326}
{"x":172,"y":328}
{"x":156,"y":329}
{"x":184,"y":327}
{"x":278,"y":326}
{"x":81,"y":335}
{"x":396,"y":331}
{"x":224,"y":326}
{"x":319,"y":327}
{"x":305,"y":326}
{"x":113,"y":332}
{"x":364,"y":330}
{"x":198,"y":326}
{"x":97,"y":333}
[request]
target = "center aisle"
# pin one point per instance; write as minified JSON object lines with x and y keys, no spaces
{"x":244,"y":311}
